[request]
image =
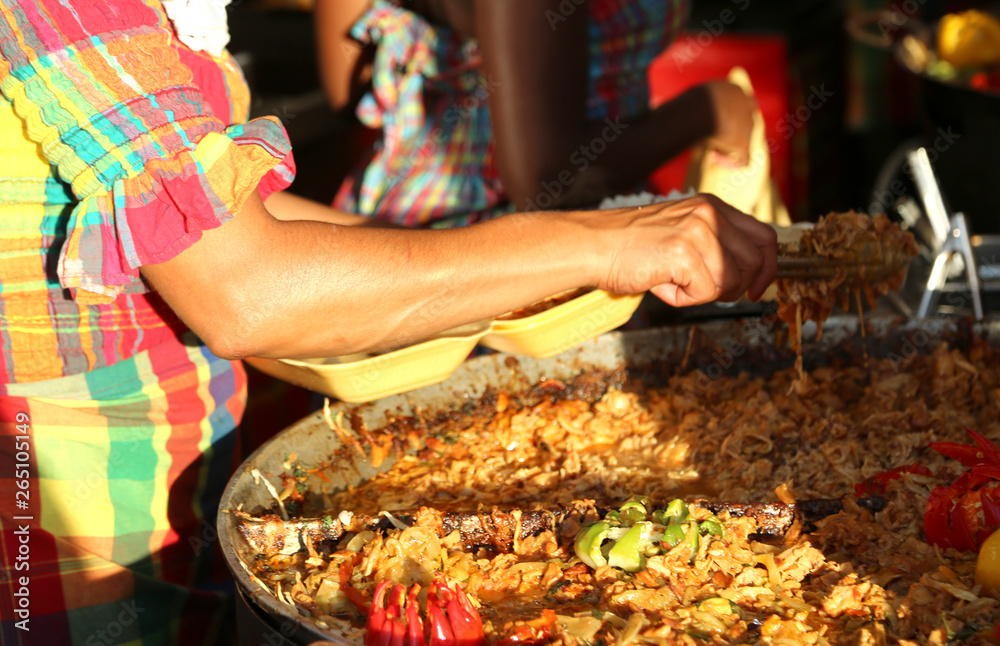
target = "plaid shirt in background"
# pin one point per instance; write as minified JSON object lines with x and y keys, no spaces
{"x":435,"y":164}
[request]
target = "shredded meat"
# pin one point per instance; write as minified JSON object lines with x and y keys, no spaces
{"x":543,"y":305}
{"x":854,"y":577}
{"x":857,"y":246}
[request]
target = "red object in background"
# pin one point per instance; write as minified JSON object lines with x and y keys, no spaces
{"x":963,"y":514}
{"x":696,"y":58}
{"x":877,"y":484}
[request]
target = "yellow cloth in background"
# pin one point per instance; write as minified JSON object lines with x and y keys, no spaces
{"x":748,"y":188}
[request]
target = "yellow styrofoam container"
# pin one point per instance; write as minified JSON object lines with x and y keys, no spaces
{"x":363,"y":378}
{"x":564,"y":326}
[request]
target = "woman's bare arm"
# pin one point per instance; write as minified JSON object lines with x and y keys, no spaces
{"x":345,"y":66}
{"x":260,"y":286}
{"x":284,"y":205}
{"x":545,"y":143}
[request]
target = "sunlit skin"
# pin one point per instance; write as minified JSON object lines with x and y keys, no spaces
{"x":263,"y":286}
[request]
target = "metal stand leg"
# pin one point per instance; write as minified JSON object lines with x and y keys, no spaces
{"x":964,"y":244}
{"x":935,"y":282}
{"x":957,"y":243}
{"x":951,"y":235}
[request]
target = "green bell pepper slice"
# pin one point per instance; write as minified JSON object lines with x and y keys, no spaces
{"x":588,"y":544}
{"x":676,"y":512}
{"x":673,"y":535}
{"x":629,"y":553}
{"x":632,"y":512}
{"x":711,"y":526}
{"x":691,"y":539}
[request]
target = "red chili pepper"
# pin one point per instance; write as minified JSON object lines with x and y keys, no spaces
{"x":415,"y":625}
{"x":440,"y":632}
{"x":452,"y":620}
{"x":991,"y":507}
{"x":961,"y":515}
{"x":985,"y":81}
{"x":353,"y":594}
{"x":982,"y":453}
{"x":936,"y":528}
{"x":876,"y":485}
{"x":393,"y":627}
{"x":464,"y":621}
{"x":376,"y":618}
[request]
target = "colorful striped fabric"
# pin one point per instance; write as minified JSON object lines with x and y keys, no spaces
{"x":625,"y":37}
{"x":434,"y":164}
{"x":122,"y":470}
{"x":118,"y":147}
{"x":435,"y":157}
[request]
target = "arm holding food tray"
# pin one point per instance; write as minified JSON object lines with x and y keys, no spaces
{"x":540,"y":119}
{"x":285,"y":205}
{"x":259,"y":286}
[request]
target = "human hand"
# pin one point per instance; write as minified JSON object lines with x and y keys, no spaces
{"x":689,"y":252}
{"x":732,"y":111}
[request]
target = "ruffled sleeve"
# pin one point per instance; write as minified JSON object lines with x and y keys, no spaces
{"x":411,"y":52}
{"x":101,"y":88}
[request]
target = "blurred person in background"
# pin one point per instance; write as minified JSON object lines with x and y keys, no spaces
{"x":484,"y":107}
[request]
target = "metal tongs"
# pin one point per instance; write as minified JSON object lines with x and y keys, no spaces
{"x":869,"y":261}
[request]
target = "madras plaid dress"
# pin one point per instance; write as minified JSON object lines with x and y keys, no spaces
{"x":119,"y":146}
{"x":434,"y":162}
